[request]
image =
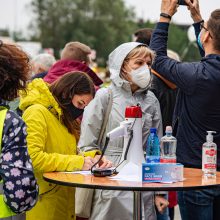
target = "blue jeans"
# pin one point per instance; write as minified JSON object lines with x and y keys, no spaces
{"x":164,"y":216}
{"x":200,"y":204}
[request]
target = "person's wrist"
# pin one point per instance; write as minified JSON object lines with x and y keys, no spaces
{"x":197,"y":19}
{"x":165,"y":15}
{"x":198,"y":22}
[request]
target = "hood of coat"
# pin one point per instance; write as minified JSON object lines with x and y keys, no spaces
{"x":38,"y":92}
{"x":64,"y":66}
{"x":116,"y":59}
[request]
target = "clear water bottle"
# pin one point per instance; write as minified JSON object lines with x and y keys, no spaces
{"x":168,"y":147}
{"x":153,"y":147}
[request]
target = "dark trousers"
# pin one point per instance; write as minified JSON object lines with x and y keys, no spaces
{"x":171,"y":213}
{"x":200,"y":204}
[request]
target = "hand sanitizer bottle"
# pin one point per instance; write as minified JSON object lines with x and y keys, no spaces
{"x":209,"y":155}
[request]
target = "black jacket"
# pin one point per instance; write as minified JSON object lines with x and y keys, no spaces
{"x":167,"y":99}
{"x":197,"y":105}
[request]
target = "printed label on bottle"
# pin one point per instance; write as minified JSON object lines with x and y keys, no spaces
{"x":209,"y":166}
{"x":168,"y":160}
{"x":210,"y":152}
{"x":209,"y":160}
{"x":152,"y":159}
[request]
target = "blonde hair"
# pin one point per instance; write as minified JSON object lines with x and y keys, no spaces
{"x":137,"y":52}
{"x":76,"y":51}
{"x":140,"y":51}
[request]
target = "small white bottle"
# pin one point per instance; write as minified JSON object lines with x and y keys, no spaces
{"x":209,"y":155}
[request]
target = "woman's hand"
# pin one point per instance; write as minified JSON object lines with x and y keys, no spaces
{"x":104,"y":163}
{"x":161,"y":203}
{"x":88,"y":163}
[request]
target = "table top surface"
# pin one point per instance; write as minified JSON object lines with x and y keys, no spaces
{"x":192,"y":180}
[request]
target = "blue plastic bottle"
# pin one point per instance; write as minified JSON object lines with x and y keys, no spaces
{"x":153,"y":147}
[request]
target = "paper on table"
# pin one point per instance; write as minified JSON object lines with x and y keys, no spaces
{"x":130,"y":172}
{"x":83,"y":172}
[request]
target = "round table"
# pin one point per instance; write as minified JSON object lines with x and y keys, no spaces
{"x":192,"y":180}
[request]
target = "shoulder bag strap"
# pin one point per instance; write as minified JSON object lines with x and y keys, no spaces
{"x":3,"y":112}
{"x":106,"y":117}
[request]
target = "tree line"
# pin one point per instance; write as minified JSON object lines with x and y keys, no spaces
{"x":102,"y":25}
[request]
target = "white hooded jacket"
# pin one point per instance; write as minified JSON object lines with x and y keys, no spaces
{"x":91,"y":125}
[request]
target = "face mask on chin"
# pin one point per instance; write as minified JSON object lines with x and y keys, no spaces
{"x":141,"y":76}
{"x":74,"y":111}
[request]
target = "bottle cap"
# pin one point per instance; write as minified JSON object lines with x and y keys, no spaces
{"x":153,"y":130}
{"x":209,"y":137}
{"x":169,"y":129}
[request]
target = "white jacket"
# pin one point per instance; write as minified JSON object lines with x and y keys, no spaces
{"x":110,"y":205}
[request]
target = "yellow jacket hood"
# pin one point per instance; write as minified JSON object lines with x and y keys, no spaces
{"x":38,"y":92}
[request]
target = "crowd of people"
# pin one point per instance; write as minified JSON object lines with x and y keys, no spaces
{"x":59,"y":107}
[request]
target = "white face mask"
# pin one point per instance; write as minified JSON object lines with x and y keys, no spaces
{"x":141,"y":76}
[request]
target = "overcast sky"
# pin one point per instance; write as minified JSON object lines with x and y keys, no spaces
{"x":15,"y":15}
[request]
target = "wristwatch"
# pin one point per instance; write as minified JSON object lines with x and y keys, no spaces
{"x":165,"y":15}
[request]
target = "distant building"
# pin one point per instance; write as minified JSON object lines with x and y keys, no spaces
{"x":30,"y":47}
{"x":7,"y":40}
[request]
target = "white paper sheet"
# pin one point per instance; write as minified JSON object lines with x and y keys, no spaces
{"x":83,"y":172}
{"x":130,"y":172}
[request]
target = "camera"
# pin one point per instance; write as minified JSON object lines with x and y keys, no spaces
{"x":181,"y":2}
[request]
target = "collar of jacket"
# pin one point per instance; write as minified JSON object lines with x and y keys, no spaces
{"x":38,"y":92}
{"x":212,"y":56}
{"x":4,"y":104}
{"x":167,"y":82}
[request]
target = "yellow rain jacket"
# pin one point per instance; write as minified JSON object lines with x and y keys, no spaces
{"x":51,"y":148}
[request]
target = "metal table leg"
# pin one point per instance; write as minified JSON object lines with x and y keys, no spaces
{"x":137,"y":205}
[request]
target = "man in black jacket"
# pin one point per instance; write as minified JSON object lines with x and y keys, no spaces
{"x":197,"y":109}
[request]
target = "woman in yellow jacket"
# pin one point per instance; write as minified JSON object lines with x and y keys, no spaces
{"x":50,"y":113}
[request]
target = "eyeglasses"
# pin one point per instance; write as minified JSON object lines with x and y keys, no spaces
{"x":206,"y":29}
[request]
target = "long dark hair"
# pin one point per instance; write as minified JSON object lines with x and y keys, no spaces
{"x":14,"y":70}
{"x":63,"y":89}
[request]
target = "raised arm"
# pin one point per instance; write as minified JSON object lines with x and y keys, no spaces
{"x":194,"y":9}
{"x":177,"y":72}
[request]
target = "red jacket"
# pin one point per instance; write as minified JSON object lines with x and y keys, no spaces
{"x":65,"y":66}
{"x":172,"y":198}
